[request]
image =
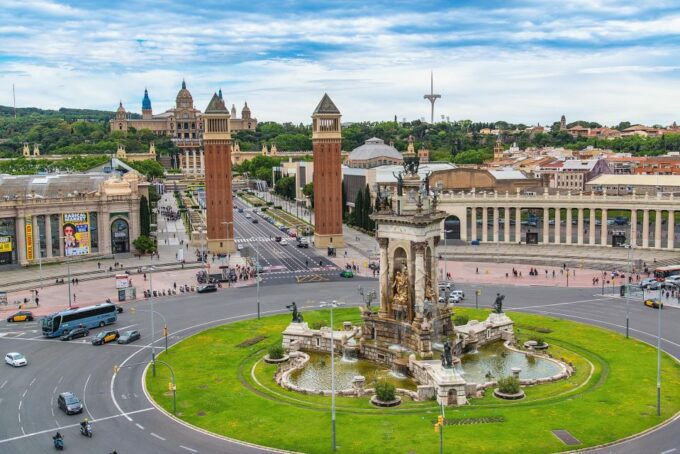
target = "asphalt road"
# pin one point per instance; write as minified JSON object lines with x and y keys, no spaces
{"x":126,"y":421}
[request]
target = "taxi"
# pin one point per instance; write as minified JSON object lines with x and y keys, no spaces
{"x":105,"y":337}
{"x":21,"y":316}
{"x":655,"y":304}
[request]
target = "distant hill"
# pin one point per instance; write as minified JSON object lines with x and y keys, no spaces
{"x":65,"y":113}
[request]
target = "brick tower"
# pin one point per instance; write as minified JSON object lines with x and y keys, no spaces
{"x":217,"y":146}
{"x":326,"y":138}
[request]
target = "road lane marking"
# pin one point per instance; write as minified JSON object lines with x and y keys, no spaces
{"x":32,"y":381}
{"x":60,"y":379}
{"x":25,"y":391}
{"x":3,"y":384}
{"x":157,"y":436}
{"x":557,"y":304}
{"x":193,"y":450}
{"x":57,"y":428}
{"x":19,"y":413}
{"x":139,"y":425}
{"x":84,"y":393}
{"x":669,"y":451}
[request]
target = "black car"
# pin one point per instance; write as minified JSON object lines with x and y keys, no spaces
{"x":119,"y":308}
{"x":208,"y":288}
{"x":129,"y":336}
{"x":104,"y":337}
{"x":69,"y":403}
{"x":255,"y":221}
{"x":75,"y":333}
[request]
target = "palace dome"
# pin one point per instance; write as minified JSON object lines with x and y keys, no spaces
{"x":184,"y":98}
{"x":374,"y":148}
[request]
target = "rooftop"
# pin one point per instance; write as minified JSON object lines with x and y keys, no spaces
{"x":374,"y":148}
{"x":636,"y":180}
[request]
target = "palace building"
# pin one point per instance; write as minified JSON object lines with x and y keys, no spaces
{"x":183,"y":123}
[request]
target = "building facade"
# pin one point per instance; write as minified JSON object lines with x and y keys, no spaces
{"x":326,"y":144}
{"x":50,"y":218}
{"x":183,"y":123}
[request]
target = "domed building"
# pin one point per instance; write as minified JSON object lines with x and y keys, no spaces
{"x":373,"y":153}
{"x":183,"y":124}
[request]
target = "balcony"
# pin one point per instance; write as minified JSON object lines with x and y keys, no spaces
{"x":187,"y":142}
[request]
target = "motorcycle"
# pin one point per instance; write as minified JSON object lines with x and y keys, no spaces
{"x":86,"y":430}
{"x":58,"y":443}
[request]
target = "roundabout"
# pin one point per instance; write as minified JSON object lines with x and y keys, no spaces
{"x":225,"y":387}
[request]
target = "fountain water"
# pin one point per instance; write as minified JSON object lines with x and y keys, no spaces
{"x":350,"y":351}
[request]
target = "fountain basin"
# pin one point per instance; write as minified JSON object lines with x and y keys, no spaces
{"x":379,"y":403}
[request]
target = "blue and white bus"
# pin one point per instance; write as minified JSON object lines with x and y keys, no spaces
{"x":58,"y":323}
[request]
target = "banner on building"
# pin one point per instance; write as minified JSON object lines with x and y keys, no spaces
{"x":76,"y":230}
{"x":29,"y":238}
{"x":5,"y":244}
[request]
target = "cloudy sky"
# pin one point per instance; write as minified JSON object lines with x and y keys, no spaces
{"x":521,"y":61}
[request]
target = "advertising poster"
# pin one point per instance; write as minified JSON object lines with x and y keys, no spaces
{"x":29,"y":238}
{"x":76,"y":231}
{"x":5,"y":244}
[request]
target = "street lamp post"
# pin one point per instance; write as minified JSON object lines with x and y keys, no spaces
{"x":658,"y":363}
{"x":331,"y":305}
{"x":446,"y":246}
{"x":68,"y":268}
{"x":150,"y":269}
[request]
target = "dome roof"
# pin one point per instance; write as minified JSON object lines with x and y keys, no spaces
{"x":184,"y":98}
{"x":374,"y":148}
{"x":120,"y":109}
{"x":246,"y":108}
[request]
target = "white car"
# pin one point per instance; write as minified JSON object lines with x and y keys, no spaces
{"x":15,"y":359}
{"x":458,"y":294}
{"x":283,"y":242}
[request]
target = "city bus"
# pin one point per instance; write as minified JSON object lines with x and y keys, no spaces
{"x":664,"y":272}
{"x":56,"y":324}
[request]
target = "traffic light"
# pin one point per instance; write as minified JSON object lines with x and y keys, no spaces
{"x":478,"y":292}
{"x":440,"y":420}
{"x":115,"y":369}
{"x":436,"y":428}
{"x":171,"y":387}
{"x":165,"y":331}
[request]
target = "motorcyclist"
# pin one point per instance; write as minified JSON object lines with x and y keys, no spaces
{"x":84,"y":425}
{"x":57,"y":437}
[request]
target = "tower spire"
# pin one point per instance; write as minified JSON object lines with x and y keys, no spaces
{"x":432,"y":97}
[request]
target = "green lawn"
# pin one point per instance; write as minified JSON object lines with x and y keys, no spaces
{"x":226,"y":389}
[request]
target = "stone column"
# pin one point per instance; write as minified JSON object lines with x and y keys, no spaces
{"x":485,"y":221}
{"x":193,"y":162}
{"x":186,"y":161}
{"x":420,"y":279}
{"x":657,"y":230}
{"x":20,"y":225}
{"x":633,"y":227}
{"x":384,"y":276}
{"x":569,"y":230}
{"x":61,"y":233}
{"x":645,"y":228}
{"x":518,"y":225}
{"x":591,"y":232}
{"x":546,"y":225}
{"x":507,"y":225}
{"x":202,"y":162}
{"x":603,"y":228}
{"x":37,"y":252}
{"x":473,"y":226}
{"x":48,"y":235}
{"x":671,"y":229}
{"x":579,"y":226}
{"x":558,"y":231}
{"x":104,"y":232}
{"x":496,"y":230}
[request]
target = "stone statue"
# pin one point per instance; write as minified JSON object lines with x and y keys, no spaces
{"x":447,"y":358}
{"x":400,"y":183}
{"x":297,"y":316}
{"x":411,"y":165}
{"x":429,"y":291}
{"x":498,"y":304}
{"x":400,"y":288}
{"x":427,"y":183}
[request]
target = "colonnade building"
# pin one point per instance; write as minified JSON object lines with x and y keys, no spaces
{"x":636,"y":220}
{"x":50,"y":218}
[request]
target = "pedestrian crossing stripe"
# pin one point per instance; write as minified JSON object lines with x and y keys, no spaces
{"x":260,"y":239}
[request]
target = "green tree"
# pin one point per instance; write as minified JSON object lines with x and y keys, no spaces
{"x":308,"y":190}
{"x":144,"y":244}
{"x":366,"y":210}
{"x":149,"y":168}
{"x":285,"y":187}
{"x":358,"y":213}
{"x":144,"y":216}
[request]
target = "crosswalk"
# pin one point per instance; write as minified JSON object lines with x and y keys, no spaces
{"x":258,"y":239}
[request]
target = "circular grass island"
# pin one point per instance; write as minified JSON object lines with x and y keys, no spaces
{"x":224,"y":386}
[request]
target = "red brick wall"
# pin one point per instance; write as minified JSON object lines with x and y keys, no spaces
{"x":327,"y":187}
{"x":218,"y":189}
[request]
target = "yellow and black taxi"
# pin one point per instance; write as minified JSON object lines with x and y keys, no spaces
{"x":21,"y":316}
{"x":105,"y":337}
{"x":655,"y":304}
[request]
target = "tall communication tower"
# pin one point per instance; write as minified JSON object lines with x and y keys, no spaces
{"x":432,"y":97}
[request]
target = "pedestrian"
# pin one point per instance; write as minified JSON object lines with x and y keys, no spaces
{"x":76,"y":281}
{"x":174,"y":285}
{"x":37,"y":302}
{"x":99,"y":265}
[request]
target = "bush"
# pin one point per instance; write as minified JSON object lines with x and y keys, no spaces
{"x":537,"y":339}
{"x":460,"y":320}
{"x":508,"y":385}
{"x":275,"y":352}
{"x":144,"y":244}
{"x":385,"y":391}
{"x":317,"y":324}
